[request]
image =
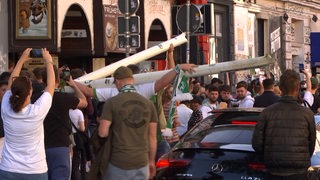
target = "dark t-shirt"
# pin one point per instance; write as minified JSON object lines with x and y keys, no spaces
{"x":57,"y":127}
{"x":130,"y":114}
{"x":316,"y":103}
{"x":1,"y":124}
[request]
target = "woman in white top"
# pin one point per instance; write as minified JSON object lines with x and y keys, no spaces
{"x":78,"y":156}
{"x":23,"y":155}
{"x":77,"y":118}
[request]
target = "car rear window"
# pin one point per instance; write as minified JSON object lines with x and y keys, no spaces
{"x":223,"y":118}
{"x":229,"y":135}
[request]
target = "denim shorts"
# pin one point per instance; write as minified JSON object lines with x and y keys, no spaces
{"x":19,"y":176}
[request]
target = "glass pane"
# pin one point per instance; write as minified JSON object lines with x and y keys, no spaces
{"x":218,"y":25}
{"x":229,"y":136}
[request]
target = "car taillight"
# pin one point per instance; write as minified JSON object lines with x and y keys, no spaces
{"x":244,"y":122}
{"x":179,"y":163}
{"x":164,"y":163}
{"x":257,"y":166}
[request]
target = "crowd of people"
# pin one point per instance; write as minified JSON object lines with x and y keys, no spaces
{"x":45,"y":131}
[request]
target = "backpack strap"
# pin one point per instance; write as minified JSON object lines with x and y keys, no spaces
{"x":306,"y":104}
{"x":75,"y":127}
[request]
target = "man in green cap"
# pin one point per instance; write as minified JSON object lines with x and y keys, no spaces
{"x":132,"y":120}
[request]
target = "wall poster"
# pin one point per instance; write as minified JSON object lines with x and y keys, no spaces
{"x":33,"y":19}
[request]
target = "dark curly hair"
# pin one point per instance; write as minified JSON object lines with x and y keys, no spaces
{"x":242,"y":84}
{"x":20,"y":89}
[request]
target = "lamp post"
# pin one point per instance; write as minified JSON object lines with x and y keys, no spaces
{"x":188,"y":32}
{"x":127,"y":29}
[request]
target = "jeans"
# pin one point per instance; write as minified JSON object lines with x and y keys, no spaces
{"x":18,"y":176}
{"x":58,"y":160}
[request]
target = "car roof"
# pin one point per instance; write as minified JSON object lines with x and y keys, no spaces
{"x":199,"y":140}
{"x":237,"y":109}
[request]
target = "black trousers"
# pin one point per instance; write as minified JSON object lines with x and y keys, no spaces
{"x":78,"y":171}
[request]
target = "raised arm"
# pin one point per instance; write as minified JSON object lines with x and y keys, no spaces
{"x":308,"y":95}
{"x":169,"y":77}
{"x":16,"y":71}
{"x":87,"y":91}
{"x":50,"y":71}
{"x":308,"y":80}
{"x":170,"y":60}
{"x":261,"y":79}
{"x":78,"y":93}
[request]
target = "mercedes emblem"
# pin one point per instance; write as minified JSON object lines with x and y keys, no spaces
{"x":217,"y":168}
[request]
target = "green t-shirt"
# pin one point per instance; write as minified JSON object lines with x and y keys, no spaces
{"x":130,"y":114}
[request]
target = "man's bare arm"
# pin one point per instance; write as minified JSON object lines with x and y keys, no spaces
{"x":87,"y":91}
{"x":78,"y":93}
{"x":169,"y":77}
{"x":152,"y":148}
{"x":104,"y":128}
{"x":170,"y":59}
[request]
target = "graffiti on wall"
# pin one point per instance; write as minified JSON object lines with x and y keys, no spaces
{"x":157,"y":7}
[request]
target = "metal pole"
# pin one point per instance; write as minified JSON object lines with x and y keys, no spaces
{"x":127,"y":23}
{"x":188,"y":32}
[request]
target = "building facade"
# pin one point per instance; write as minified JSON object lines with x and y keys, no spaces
{"x":84,"y":33}
{"x":280,"y":28}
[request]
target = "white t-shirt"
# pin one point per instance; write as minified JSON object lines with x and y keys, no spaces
{"x":184,"y":114}
{"x":146,"y":90}
{"x":23,"y":150}
{"x":76,"y":116}
{"x":307,"y":96}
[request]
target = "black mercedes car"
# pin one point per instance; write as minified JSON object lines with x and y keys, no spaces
{"x":219,"y":147}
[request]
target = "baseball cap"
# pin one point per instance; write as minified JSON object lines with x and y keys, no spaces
{"x":122,"y":72}
{"x":314,"y":81}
